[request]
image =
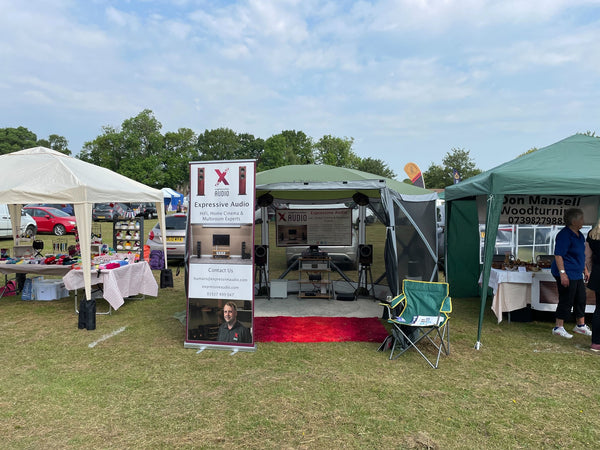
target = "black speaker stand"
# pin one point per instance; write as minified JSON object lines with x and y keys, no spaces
{"x":261,"y":273}
{"x":364,"y":273}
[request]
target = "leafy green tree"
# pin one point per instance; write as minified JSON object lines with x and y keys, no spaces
{"x":180,"y":148}
{"x":142,"y":135}
{"x":335,"y":151}
{"x":299,"y":147}
{"x":217,"y":145}
{"x":55,"y":142}
{"x":250,"y":147}
{"x":136,"y":150}
{"x":375,"y":166}
{"x":440,"y":176}
{"x":105,"y":150}
{"x":274,"y":154}
{"x":14,"y":139}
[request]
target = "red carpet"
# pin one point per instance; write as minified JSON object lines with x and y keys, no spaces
{"x":318,"y":329}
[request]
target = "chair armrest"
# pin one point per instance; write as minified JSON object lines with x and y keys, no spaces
{"x":446,"y":305}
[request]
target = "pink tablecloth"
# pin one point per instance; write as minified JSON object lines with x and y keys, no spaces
{"x":125,"y":281}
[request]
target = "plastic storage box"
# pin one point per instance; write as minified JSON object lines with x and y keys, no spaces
{"x":46,"y":290}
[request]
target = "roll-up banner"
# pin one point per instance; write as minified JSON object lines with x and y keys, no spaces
{"x":220,"y":236}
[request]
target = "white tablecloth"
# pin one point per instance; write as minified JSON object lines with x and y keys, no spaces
{"x":512,"y":290}
{"x":506,"y":276}
{"x":125,"y":281}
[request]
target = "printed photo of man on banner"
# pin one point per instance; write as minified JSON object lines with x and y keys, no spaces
{"x":220,"y":236}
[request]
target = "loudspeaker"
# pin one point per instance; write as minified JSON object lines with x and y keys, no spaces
{"x":242,"y":180}
{"x":260,"y":254}
{"x":201,"y":181}
{"x":365,"y":254}
{"x":245,"y":254}
{"x":264,"y":200}
{"x":199,"y":249}
{"x":360,"y":199}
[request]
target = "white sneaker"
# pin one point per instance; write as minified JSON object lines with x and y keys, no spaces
{"x":560,"y":331}
{"x":585,"y":330}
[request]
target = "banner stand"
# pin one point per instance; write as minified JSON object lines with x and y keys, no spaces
{"x":220,"y":256}
{"x":230,"y":348}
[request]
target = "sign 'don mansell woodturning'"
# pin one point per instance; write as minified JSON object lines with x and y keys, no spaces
{"x":541,"y":209}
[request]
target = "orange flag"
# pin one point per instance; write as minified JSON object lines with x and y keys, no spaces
{"x":414,"y":173}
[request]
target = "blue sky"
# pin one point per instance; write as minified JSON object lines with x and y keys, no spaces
{"x":408,"y":79}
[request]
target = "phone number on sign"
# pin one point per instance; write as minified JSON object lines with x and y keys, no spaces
{"x":528,"y":220}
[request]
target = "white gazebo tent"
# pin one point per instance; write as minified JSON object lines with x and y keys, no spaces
{"x":41,"y":175}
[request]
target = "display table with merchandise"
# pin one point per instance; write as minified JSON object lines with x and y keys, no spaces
{"x":117,"y":283}
{"x":514,"y":290}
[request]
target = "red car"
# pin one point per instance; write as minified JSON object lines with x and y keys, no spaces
{"x":51,"y":220}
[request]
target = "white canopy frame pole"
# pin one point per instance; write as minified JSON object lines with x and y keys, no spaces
{"x":15,"y":219}
{"x":160,"y":209}
{"x":83,"y":215}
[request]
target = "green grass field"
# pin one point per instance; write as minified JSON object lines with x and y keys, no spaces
{"x":61,"y":387}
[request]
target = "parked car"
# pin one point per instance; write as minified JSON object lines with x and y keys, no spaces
{"x":28,"y":225}
{"x":146,"y":210}
{"x":176,"y":225}
{"x":51,"y":220}
{"x":111,"y":212}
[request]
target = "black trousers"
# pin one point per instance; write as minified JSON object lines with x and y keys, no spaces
{"x":596,"y":321}
{"x":570,"y":298}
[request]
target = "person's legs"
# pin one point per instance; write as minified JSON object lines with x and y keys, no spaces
{"x":565,"y":302}
{"x":579,"y":301}
{"x":563,"y":309}
{"x":596,"y":321}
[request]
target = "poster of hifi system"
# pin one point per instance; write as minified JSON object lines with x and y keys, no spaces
{"x":220,"y":242}
{"x":313,"y":227}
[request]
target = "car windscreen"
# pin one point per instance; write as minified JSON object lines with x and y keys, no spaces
{"x":175,"y":222}
{"x":57,"y":212}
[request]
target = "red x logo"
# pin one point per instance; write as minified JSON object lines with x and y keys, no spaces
{"x":281,"y":217}
{"x":221,"y":177}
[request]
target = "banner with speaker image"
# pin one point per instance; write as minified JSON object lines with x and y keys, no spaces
{"x":315,"y":226}
{"x":220,"y":303}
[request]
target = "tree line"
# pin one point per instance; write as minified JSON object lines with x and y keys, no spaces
{"x":139,"y":150}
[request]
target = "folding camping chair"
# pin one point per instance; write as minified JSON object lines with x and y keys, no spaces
{"x":424,"y":312}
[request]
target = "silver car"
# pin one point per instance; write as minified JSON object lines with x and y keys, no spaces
{"x":176,"y":225}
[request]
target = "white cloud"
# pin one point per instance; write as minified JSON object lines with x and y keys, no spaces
{"x":383,"y":72}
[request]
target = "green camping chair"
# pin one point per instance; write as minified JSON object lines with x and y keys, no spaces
{"x":419,"y":316}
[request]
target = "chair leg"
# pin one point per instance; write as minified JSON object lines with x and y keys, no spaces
{"x":443,"y":334}
{"x":385,"y":344}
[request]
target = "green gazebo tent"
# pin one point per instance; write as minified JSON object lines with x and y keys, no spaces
{"x":568,"y":167}
{"x":407,"y":211}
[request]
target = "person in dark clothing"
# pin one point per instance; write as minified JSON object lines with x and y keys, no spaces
{"x":232,"y":330}
{"x":593,"y":265}
{"x":570,"y":273}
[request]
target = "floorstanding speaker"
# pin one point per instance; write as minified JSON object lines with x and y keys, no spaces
{"x":201,"y":181}
{"x":245,"y":254}
{"x":199,"y":249}
{"x":365,"y":254}
{"x":260,"y":254}
{"x":242,"y":180}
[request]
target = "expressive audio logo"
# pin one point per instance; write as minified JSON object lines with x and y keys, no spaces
{"x":222,"y":176}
